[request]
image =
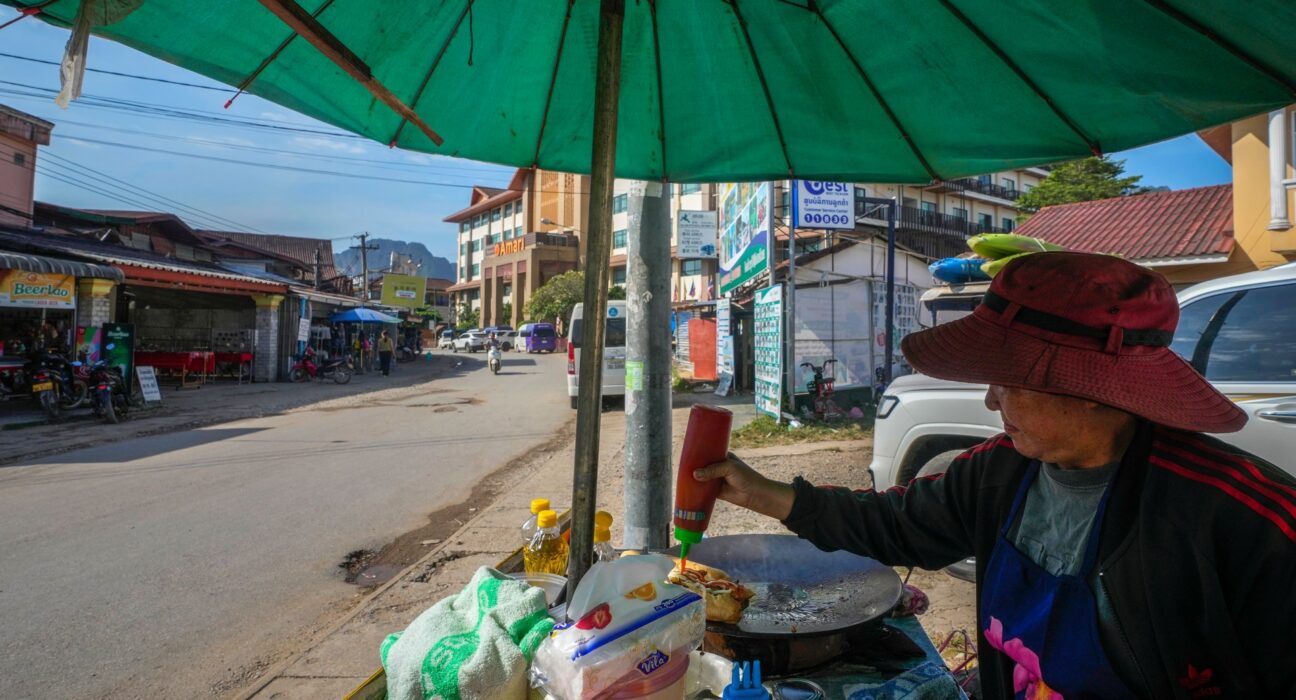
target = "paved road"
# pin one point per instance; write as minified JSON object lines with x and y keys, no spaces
{"x":165,"y":566}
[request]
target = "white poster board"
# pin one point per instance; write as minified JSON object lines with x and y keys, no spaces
{"x":822,"y":204}
{"x":303,"y":330}
{"x":695,"y":233}
{"x":769,"y":351}
{"x":148,"y":384}
{"x":724,"y":348}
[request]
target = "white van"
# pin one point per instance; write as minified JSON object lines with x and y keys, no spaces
{"x":614,"y":351}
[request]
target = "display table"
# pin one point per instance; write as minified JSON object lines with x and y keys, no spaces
{"x":193,"y":367}
{"x":236,"y":365}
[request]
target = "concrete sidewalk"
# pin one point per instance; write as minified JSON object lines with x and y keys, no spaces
{"x":24,"y":434}
{"x":344,"y":656}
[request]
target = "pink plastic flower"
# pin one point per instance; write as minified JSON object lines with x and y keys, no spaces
{"x":1026,"y":673}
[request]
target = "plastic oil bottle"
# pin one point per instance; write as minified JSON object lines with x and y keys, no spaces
{"x":529,"y":527}
{"x":603,"y":550}
{"x":547,"y":552}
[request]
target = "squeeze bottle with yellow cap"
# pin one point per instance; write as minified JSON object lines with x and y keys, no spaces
{"x":529,"y":527}
{"x":603,"y":550}
{"x":546,"y":553}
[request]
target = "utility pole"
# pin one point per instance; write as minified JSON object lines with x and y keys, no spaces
{"x":317,"y":267}
{"x":364,"y":266}
{"x":648,"y":368}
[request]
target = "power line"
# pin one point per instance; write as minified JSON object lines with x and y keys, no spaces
{"x":120,"y":75}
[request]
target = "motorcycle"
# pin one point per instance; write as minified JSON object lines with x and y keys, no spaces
{"x":305,"y":369}
{"x":54,"y":383}
{"x":494,"y":358}
{"x":110,"y":398}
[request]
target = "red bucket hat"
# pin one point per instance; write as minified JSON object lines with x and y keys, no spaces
{"x":1091,"y":326}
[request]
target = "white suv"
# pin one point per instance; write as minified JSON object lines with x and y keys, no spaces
{"x":1239,"y":332}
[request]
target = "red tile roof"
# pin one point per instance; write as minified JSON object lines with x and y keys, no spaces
{"x":1189,"y":223}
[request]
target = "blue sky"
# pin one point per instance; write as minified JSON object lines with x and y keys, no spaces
{"x":289,"y":201}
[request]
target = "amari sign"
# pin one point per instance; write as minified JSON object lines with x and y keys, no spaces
{"x":37,"y":290}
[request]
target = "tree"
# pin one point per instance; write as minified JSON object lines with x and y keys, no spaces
{"x":556,"y":298}
{"x":617,"y":292}
{"x":506,"y":311}
{"x":468,"y":316}
{"x":1081,"y":181}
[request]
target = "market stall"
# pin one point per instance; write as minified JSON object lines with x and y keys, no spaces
{"x":38,"y":301}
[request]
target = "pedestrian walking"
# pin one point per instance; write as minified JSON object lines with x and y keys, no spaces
{"x":385,"y":350}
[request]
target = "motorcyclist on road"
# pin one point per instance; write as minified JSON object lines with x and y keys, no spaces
{"x":492,"y":342}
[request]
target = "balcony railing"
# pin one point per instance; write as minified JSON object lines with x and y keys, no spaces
{"x":929,"y":233}
{"x":971,"y":184}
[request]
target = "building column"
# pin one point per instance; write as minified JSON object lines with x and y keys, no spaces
{"x":266,"y":359}
{"x":94,"y":301}
{"x":1278,"y":220}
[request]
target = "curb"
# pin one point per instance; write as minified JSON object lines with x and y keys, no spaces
{"x":275,"y":673}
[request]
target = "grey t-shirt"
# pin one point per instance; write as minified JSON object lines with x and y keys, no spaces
{"x":1058,"y":515}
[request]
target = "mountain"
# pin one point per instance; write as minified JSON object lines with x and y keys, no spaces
{"x":348,"y":260}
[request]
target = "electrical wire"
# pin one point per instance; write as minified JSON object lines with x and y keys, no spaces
{"x":133,"y":76}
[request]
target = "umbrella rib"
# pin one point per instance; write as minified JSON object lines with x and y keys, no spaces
{"x":247,"y":82}
{"x":877,"y":95}
{"x":553,"y":81}
{"x":1259,"y":66}
{"x":418,"y":95}
{"x":1094,"y":146}
{"x":760,"y":74}
{"x":327,"y":43}
{"x":661,"y":98}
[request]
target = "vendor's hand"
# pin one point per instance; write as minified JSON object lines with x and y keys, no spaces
{"x":744,"y":487}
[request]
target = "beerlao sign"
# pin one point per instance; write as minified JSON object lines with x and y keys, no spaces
{"x":514,"y":246}
{"x":37,"y":290}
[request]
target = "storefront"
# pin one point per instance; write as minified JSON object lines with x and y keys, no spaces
{"x":43,"y":300}
{"x":513,"y":270}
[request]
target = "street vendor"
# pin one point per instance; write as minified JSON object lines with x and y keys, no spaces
{"x":1121,"y":552}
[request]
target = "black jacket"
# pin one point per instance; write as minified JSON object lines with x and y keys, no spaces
{"x":1197,"y":561}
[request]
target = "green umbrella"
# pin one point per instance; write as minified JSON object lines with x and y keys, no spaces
{"x":729,"y":90}
{"x":737,"y":90}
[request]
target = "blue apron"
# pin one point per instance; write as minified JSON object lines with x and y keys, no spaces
{"x":1047,"y":625}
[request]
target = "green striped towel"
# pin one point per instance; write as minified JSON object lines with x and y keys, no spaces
{"x":477,"y":643}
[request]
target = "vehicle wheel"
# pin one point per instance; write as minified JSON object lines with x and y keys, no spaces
{"x":342,"y":375}
{"x":109,"y":410}
{"x":122,"y":404}
{"x":575,"y":402}
{"x":297,"y":375}
{"x":964,"y":570}
{"x":78,"y":397}
{"x":50,"y":404}
{"x":454,"y":349}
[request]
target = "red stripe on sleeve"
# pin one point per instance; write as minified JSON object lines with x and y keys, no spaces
{"x":1259,"y":508}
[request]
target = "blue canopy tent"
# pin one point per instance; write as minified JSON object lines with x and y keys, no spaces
{"x":362,"y":316}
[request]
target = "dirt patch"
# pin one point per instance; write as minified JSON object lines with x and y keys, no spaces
{"x":355,"y":562}
{"x":445,"y":409}
{"x":433,"y":567}
{"x":409,"y":548}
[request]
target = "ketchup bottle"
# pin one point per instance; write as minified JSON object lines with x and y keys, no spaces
{"x":705,"y":442}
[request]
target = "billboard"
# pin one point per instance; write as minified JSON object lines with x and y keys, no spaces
{"x":403,"y":290}
{"x":822,"y":204}
{"x":744,"y":233}
{"x":695,"y":234}
{"x":37,"y":290}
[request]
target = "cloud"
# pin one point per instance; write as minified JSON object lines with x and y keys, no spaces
{"x":82,"y":144}
{"x":323,"y":144}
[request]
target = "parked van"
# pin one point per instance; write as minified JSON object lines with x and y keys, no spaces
{"x":537,"y":337}
{"x":614,"y":351}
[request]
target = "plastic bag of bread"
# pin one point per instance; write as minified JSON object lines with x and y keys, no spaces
{"x":628,"y":622}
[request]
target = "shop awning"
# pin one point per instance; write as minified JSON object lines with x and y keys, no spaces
{"x":58,"y":266}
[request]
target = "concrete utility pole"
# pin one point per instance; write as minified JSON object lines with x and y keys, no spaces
{"x":364,"y":266}
{"x":317,"y":267}
{"x":648,"y":368}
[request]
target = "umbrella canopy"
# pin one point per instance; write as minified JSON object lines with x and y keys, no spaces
{"x":734,"y":90}
{"x":362,"y":316}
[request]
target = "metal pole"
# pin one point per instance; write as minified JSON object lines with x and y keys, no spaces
{"x":607,"y":90}
{"x":791,"y":301}
{"x":890,"y":289}
{"x":647,"y":485}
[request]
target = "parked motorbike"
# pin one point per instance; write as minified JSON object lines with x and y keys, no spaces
{"x":109,"y":397}
{"x":405,"y":353}
{"x":493,"y":359}
{"x":54,"y":382}
{"x":305,"y":369}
